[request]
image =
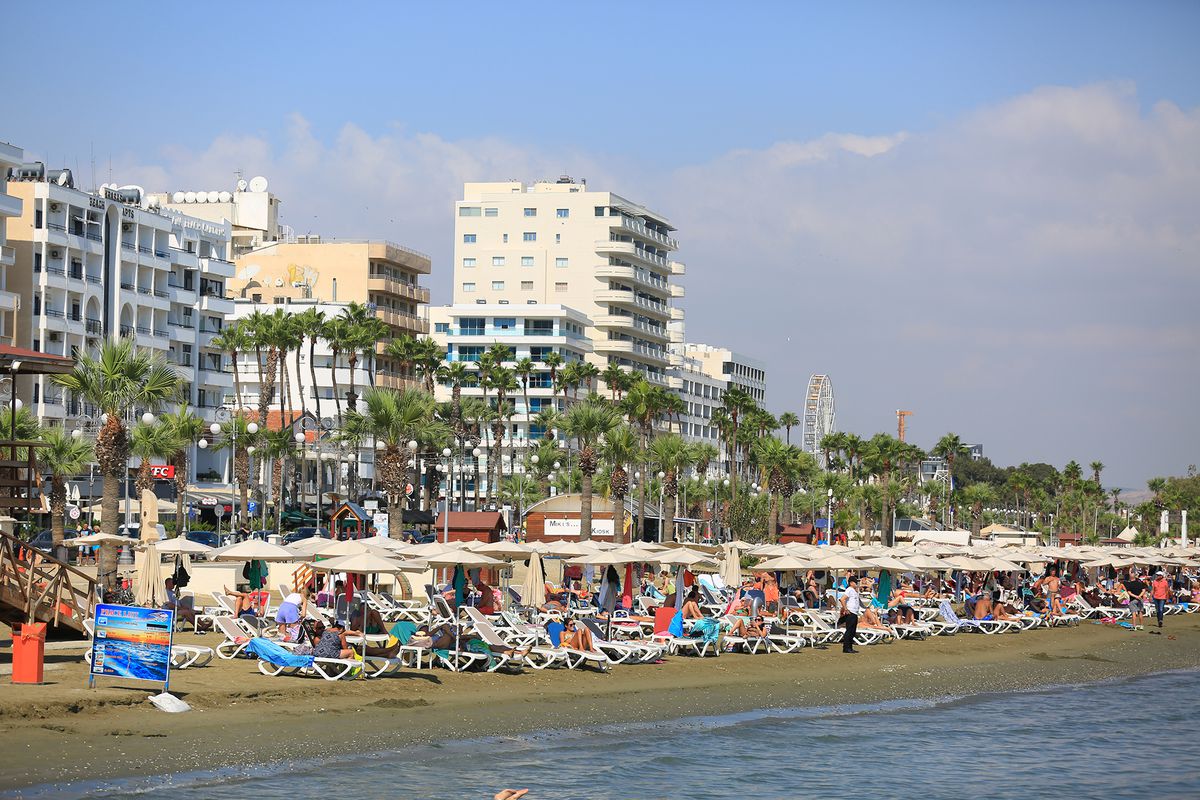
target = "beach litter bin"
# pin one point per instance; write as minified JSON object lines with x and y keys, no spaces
{"x":29,"y":653}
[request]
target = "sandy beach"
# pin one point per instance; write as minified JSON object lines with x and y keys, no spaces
{"x":62,"y":731}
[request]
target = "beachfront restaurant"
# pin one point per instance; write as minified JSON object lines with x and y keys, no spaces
{"x":556,"y":519}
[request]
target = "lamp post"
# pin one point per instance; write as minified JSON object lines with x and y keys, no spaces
{"x":300,"y":439}
{"x":77,"y":434}
{"x":662,"y":488}
{"x":148,"y":419}
{"x":829,"y":519}
{"x":326,"y":457}
{"x":448,"y":454}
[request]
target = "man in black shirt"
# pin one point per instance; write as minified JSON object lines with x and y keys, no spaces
{"x":1137,"y":597}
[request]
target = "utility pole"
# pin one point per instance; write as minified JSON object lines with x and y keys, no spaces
{"x":900,"y":423}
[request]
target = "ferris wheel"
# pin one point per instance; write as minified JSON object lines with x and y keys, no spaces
{"x":818,"y":414}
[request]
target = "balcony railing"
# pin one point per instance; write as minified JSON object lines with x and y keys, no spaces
{"x":129,"y":246}
{"x":163,"y":294}
{"x":143,"y":330}
{"x":145,"y":249}
{"x":92,"y":279}
{"x":161,"y":333}
{"x":128,"y":286}
{"x":143,"y":290}
{"x":54,"y":226}
{"x":56,"y":270}
{"x":162,"y":253}
{"x":94,"y":326}
{"x":127,"y":330}
{"x":95,"y":237}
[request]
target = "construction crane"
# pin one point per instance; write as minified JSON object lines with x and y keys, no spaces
{"x":900,"y":424}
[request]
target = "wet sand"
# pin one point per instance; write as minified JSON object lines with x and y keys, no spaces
{"x":63,"y":731}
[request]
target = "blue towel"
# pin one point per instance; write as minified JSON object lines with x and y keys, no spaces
{"x":555,"y":630}
{"x":460,"y":586}
{"x":706,"y":629}
{"x":676,"y":626}
{"x":272,"y":653}
{"x":402,"y":631}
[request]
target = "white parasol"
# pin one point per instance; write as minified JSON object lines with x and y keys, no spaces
{"x":149,"y":591}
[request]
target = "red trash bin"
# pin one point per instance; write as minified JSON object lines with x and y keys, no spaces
{"x":29,"y":653}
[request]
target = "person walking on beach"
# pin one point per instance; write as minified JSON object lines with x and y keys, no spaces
{"x":851,"y":609}
{"x":1136,"y":589}
{"x":1160,"y":592}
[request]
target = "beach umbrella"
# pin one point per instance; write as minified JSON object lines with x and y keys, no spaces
{"x":889,"y":563}
{"x":385,"y":542}
{"x":253,"y":550}
{"x":602,"y":559}
{"x":731,"y":567}
{"x":349,"y":547}
{"x":509,"y":551}
{"x":569,"y":549}
{"x":834,"y":560}
{"x":306,"y":547}
{"x":430,"y":548}
{"x":148,"y":591}
{"x":461,"y":558}
{"x":181,"y":545}
{"x":788,"y":563}
{"x":538,"y":547}
{"x":97,"y":538}
{"x":533,"y":590}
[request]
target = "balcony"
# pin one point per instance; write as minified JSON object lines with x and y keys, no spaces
{"x":407,"y":322}
{"x":678,"y":268}
{"x":160,"y":293}
{"x":128,"y":246}
{"x":643,"y":277}
{"x":8,"y":256}
{"x":92,"y":279}
{"x":93,"y":236}
{"x":94,"y":326}
{"x":145,"y":249}
{"x":129,"y":287}
{"x":677,"y":290}
{"x":389,"y":285}
{"x":639,"y":228}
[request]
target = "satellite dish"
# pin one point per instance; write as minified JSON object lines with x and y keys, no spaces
{"x":224,"y":197}
{"x":214,"y":197}
{"x":223,"y":415}
{"x":241,"y":185}
{"x":189,"y":197}
{"x":64,"y":178}
{"x":258,"y":184}
{"x":247,"y":272}
{"x":201,"y":197}
{"x":178,"y":197}
{"x":279,"y":281}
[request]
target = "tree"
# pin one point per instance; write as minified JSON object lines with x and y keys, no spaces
{"x":428,"y":359}
{"x":234,"y":340}
{"x":977,"y":496}
{"x":670,"y":455}
{"x":186,"y":428}
{"x":119,"y":378}
{"x":619,"y":449}
{"x":788,"y":420}
{"x":949,"y":447}
{"x":394,"y":418}
{"x":588,"y":423}
{"x":554,"y":362}
{"x":642,"y":405}
{"x":278,"y":447}
{"x":1097,"y":467}
{"x":235,"y":435}
{"x":309,"y":325}
{"x":336,"y":332}
{"x":615,"y":379}
{"x":361,"y":336}
{"x":63,"y":457}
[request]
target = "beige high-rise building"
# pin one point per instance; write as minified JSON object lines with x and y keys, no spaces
{"x":560,"y":243}
{"x":10,"y":303}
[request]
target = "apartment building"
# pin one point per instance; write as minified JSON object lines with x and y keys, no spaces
{"x":10,"y":207}
{"x":731,"y":367}
{"x":92,"y":265}
{"x":702,"y":394}
{"x":251,"y":210}
{"x":560,"y":243}
{"x":381,"y":274}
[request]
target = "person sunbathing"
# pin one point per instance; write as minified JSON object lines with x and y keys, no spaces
{"x":243,"y":603}
{"x":375,"y":624}
{"x":900,"y":612}
{"x":755,"y":629}
{"x":577,"y":637}
{"x":870,"y":619}
{"x":691,"y":605}
{"x":183,"y":609}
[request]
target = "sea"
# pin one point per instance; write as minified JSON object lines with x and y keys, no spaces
{"x":1129,"y":738}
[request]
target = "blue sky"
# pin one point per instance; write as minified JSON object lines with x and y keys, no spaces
{"x":976,"y":210}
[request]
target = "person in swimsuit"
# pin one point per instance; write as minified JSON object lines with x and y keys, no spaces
{"x":1050,"y":583}
{"x":691,"y":605}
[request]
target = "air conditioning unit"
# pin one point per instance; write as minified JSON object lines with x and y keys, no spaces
{"x":127,"y":226}
{"x":54,"y":206}
{"x":55,"y":337}
{"x":56,"y":254}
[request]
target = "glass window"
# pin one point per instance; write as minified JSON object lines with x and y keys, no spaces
{"x":468,"y":262}
{"x":529,"y":236}
{"x":561,"y":262}
{"x":498,"y":286}
{"x":599,"y":211}
{"x":497,"y":261}
{"x":468,"y":238}
{"x":491,"y":212}
{"x":531,"y":212}
{"x":526,"y":261}
{"x":471,"y":326}
{"x":561,"y":286}
{"x":505,"y":323}
{"x":505,"y":238}
{"x":526,"y":286}
{"x":558,"y":238}
{"x":441,"y":327}
{"x":562,"y":213}
{"x":468,"y":211}
{"x":471,"y":353}
{"x":468,"y":287}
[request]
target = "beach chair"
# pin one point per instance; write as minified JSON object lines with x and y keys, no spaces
{"x":510,"y":637}
{"x":236,"y":637}
{"x":1087,"y":610}
{"x":626,"y":652}
{"x":530,"y":654}
{"x":572,"y":658}
{"x":823,"y":627}
{"x":987,"y":626}
{"x":274,"y":660}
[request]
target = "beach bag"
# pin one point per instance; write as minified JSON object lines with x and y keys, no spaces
{"x":181,"y":576}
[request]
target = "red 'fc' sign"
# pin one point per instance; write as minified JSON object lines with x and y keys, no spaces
{"x":162,"y":471}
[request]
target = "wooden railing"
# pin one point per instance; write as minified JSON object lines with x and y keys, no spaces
{"x":37,"y":587}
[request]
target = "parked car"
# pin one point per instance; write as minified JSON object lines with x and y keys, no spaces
{"x":304,"y":533}
{"x":134,"y":531}
{"x":420,"y":538}
{"x":262,"y":533}
{"x":208,"y":538}
{"x":43,"y":540}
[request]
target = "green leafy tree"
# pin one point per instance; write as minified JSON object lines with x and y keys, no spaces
{"x":62,"y":458}
{"x":588,"y":424}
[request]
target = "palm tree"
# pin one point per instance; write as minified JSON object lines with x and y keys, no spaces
{"x":620,"y":448}
{"x":554,"y":362}
{"x":884,"y":455}
{"x":949,"y":447}
{"x":234,"y":340}
{"x":337,"y":333}
{"x":1097,"y":467}
{"x":588,"y":372}
{"x":588,"y":424}
{"x":254,"y":325}
{"x":614,"y":378}
{"x":524,"y":369}
{"x":63,"y":457}
{"x":236,"y":436}
{"x":278,"y":447}
{"x":309,"y":324}
{"x":670,"y":455}
{"x":150,"y":441}
{"x":457,"y":373}
{"x":403,"y":348}
{"x":119,"y":378}
{"x":788,"y":420}
{"x":360,"y":336}
{"x":502,"y":381}
{"x":779,"y":461}
{"x":186,"y":428}
{"x":642,"y":405}
{"x":737,"y":402}
{"x":976,"y":496}
{"x":429,"y":358}
{"x":571,"y":379}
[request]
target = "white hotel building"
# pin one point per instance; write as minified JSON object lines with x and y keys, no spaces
{"x":94,"y":265}
{"x":561,"y":244}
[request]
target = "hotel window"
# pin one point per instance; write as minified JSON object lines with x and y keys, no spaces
{"x":562,"y":213}
{"x":505,"y":238}
{"x":468,"y":287}
{"x":441,"y":327}
{"x":505,"y":323}
{"x":526,"y":286}
{"x":599,"y":211}
{"x":497,"y":286}
{"x":491,"y":212}
{"x":502,"y":302}
{"x":561,"y":262}
{"x":529,"y":236}
{"x":471,"y":326}
{"x":561,"y":286}
{"x":469,"y":211}
{"x":526,"y":261}
{"x":468,"y":238}
{"x":558,"y":238}
{"x":497,"y":261}
{"x":468,"y":262}
{"x":531,"y":212}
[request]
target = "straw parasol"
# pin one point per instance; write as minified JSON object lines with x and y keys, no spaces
{"x":612,"y":558}
{"x":788,"y":563}
{"x":98,"y":538}
{"x":731,"y":565}
{"x":306,"y":547}
{"x":369,"y":563}
{"x":149,"y":591}
{"x":510,"y":551}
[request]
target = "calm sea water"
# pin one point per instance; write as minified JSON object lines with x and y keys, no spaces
{"x":1123,"y":739}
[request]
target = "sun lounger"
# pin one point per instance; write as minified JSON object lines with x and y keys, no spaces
{"x":236,"y":637}
{"x":987,"y":626}
{"x":275,"y":660}
{"x":572,"y":658}
{"x":625,"y":652}
{"x":1087,"y":610}
{"x":823,"y":627}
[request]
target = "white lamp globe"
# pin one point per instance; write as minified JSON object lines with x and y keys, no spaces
{"x":662,"y":475}
{"x":103,"y":418}
{"x":18,"y":405}
{"x":412,"y":444}
{"x":637,"y":476}
{"x":533,"y":459}
{"x":202,"y":444}
{"x":214,"y":429}
{"x":252,"y":427}
{"x":446,"y":452}
{"x":148,"y":418}
{"x":381,"y":445}
{"x":250,"y":449}
{"x":725,"y":482}
{"x":77,"y":434}
{"x":299,"y":437}
{"x":557,"y":465}
{"x":477,"y":452}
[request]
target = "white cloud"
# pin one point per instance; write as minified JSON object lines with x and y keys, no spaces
{"x":1044,"y":244}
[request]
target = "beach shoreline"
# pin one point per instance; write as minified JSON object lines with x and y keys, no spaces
{"x":62,"y":732}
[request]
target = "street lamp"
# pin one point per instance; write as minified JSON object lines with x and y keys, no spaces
{"x":662,"y":488}
{"x":448,"y":454}
{"x":829,"y":519}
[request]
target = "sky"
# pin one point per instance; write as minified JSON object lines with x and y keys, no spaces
{"x":985,"y":213}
